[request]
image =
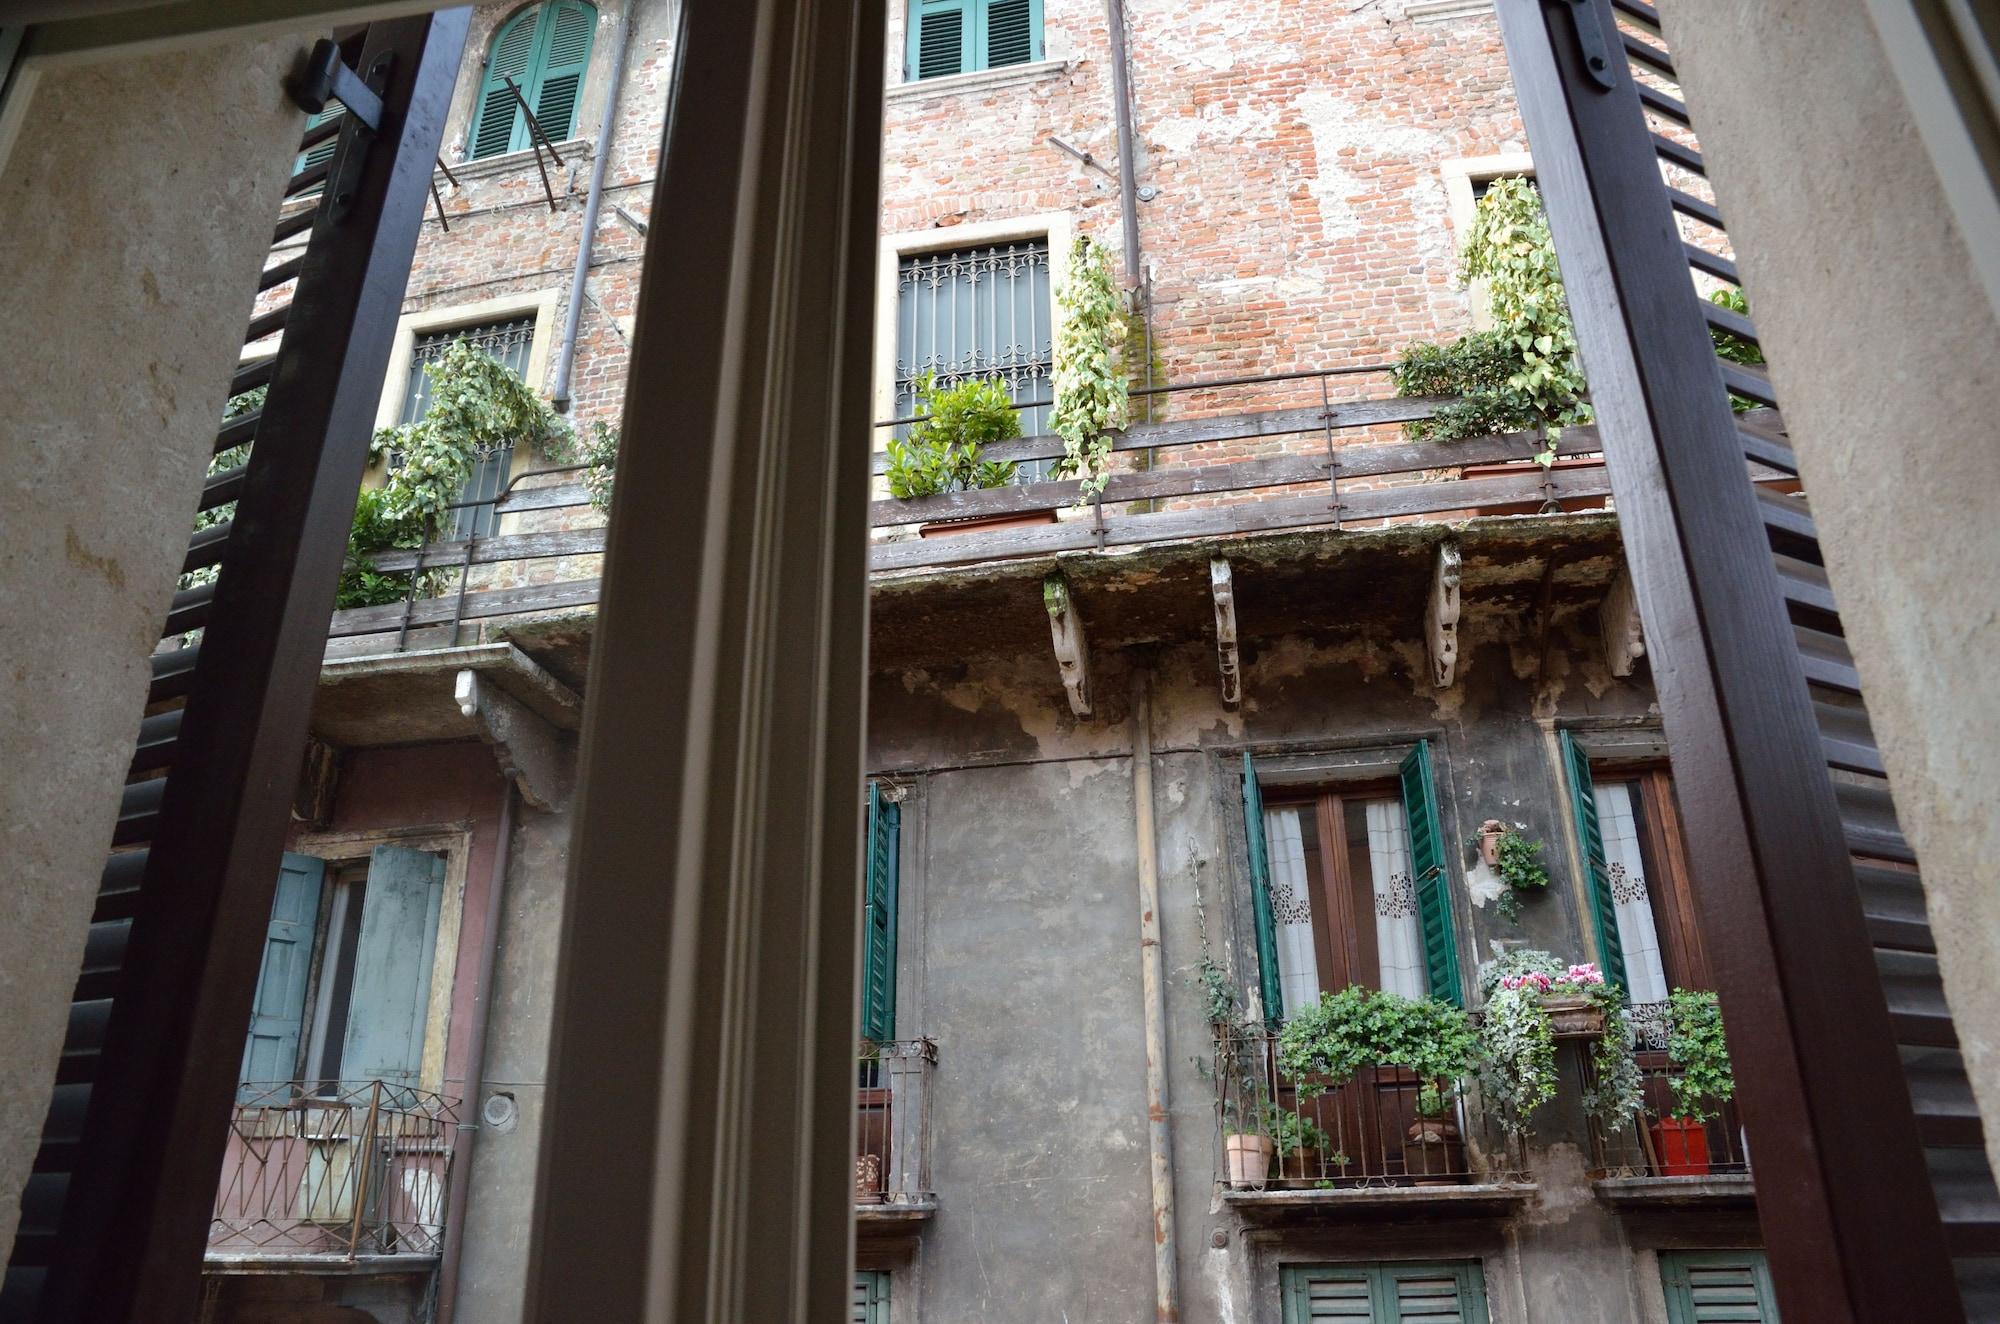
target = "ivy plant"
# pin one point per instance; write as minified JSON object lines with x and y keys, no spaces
{"x":1517,"y":1062}
{"x":1697,"y":1047}
{"x":1519,"y":866}
{"x":1517,"y":1066}
{"x":944,"y":450}
{"x":1523,"y":374}
{"x":1092,"y":396}
{"x":1733,"y":347}
{"x":1327,"y":1043}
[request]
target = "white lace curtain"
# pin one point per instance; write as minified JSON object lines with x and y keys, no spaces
{"x":1645,"y":972}
{"x":1291,"y":904}
{"x":1398,"y":931}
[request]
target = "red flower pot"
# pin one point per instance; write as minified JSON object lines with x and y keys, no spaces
{"x":1681,"y":1147}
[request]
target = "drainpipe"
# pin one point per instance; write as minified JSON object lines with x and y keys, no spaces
{"x":600,"y":157}
{"x":1159,"y":1113}
{"x":475,"y":1067}
{"x":1121,"y":95}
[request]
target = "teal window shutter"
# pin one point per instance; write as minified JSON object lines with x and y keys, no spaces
{"x":545,"y":50}
{"x":939,"y":40}
{"x":278,"y":1015}
{"x":1010,"y":32}
{"x":878,"y":925}
{"x":1392,"y":1293}
{"x":1718,"y":1287}
{"x":392,"y":967}
{"x":871,"y":1298}
{"x":318,"y":152}
{"x":1260,"y":896}
{"x":1590,"y":842}
{"x":1427,"y":866}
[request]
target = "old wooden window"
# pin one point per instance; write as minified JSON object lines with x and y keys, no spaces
{"x":958,"y":36}
{"x":1384,"y":1293}
{"x":545,"y":50}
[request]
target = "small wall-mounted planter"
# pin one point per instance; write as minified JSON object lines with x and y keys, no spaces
{"x":1574,"y":1018}
{"x":1570,"y":505}
{"x":1490,"y":833}
{"x":1249,"y":1160}
{"x":985,"y":524}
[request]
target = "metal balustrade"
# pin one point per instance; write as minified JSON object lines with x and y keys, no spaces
{"x":893,"y":1124}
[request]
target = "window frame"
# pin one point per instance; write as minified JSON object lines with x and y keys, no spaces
{"x":1341,"y":888}
{"x":1664,"y":849}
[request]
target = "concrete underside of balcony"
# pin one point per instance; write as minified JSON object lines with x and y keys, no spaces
{"x":1718,"y":1190}
{"x":1378,"y":1202}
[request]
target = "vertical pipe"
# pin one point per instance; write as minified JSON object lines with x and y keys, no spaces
{"x":1159,"y":1114}
{"x":600,"y":156}
{"x":1121,"y":95}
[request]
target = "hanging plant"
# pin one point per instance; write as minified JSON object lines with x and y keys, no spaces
{"x":1092,"y":396}
{"x":597,"y":451}
{"x":1517,"y":861}
{"x":1327,"y":1043}
{"x":1523,"y":375}
{"x":1517,"y":1069}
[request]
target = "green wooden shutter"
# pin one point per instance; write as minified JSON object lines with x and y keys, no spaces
{"x":278,"y":1015}
{"x":871,"y":1298}
{"x":1718,"y":1287}
{"x":1260,"y":895}
{"x":1603,"y":910}
{"x":1010,"y":32}
{"x":392,"y":966}
{"x":1427,"y":866}
{"x":878,"y":927}
{"x":571,"y":25}
{"x":499,"y":127}
{"x":1392,"y":1293}
{"x":318,"y":152}
{"x":939,"y":39}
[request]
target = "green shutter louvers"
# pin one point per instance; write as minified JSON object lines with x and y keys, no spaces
{"x":1010,"y":30}
{"x":545,"y":50}
{"x":1427,"y":868}
{"x":945,"y":37}
{"x":1260,"y":896}
{"x":878,"y":923}
{"x":1392,"y":1293}
{"x":1590,"y":844}
{"x":1718,"y":1287}
{"x":319,"y":152}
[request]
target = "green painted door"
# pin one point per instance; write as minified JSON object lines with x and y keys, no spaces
{"x":392,"y":967}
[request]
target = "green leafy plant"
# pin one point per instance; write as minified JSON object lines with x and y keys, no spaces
{"x":1733,"y":347}
{"x":1523,"y":374}
{"x":1517,"y":1068}
{"x":1218,"y":995}
{"x":1326,"y":1043}
{"x":1697,"y":1046}
{"x":1517,"y":1063}
{"x":1519,"y":866}
{"x":597,"y":451}
{"x":1291,"y":1131}
{"x":954,"y":426}
{"x":1092,"y":395}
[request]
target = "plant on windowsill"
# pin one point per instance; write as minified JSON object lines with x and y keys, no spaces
{"x":1092,"y":394}
{"x":1703,"y":1074}
{"x":1522,"y":375}
{"x":1325,"y":1044}
{"x":1533,"y":1000}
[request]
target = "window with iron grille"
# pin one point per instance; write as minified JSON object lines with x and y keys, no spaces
{"x":979,"y":312}
{"x":510,"y":342}
{"x":959,"y":36}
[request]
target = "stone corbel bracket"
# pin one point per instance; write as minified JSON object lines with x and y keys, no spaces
{"x":1618,"y":621}
{"x":531,"y":750}
{"x":1072,"y":649}
{"x":1222,"y":587}
{"x":1441,"y":616}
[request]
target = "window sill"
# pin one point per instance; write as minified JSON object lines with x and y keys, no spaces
{"x":1443,"y":11}
{"x":980,"y":79}
{"x":570,"y":149}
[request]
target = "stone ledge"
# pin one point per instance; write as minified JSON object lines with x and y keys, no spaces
{"x":297,"y":1262}
{"x":1377,"y":1201}
{"x":1715,"y":1190}
{"x":977,"y":80}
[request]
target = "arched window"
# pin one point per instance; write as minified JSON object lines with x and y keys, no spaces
{"x":544,"y":49}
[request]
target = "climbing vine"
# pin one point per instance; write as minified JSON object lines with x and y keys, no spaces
{"x":1092,"y":396}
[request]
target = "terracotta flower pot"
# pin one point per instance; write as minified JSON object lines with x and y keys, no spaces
{"x":1574,"y":1018}
{"x":1681,"y":1147}
{"x":1569,"y":504}
{"x":985,"y":524}
{"x":1490,"y":833}
{"x":1249,"y":1160}
{"x":1432,"y":1152}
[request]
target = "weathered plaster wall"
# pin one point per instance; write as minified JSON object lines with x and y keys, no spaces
{"x":135,"y":208}
{"x":1886,"y":353}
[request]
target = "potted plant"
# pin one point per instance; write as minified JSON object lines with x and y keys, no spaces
{"x":1297,"y":1141}
{"x":945,"y":448}
{"x":1699,"y":1051}
{"x":1246,"y":1140}
{"x":1516,"y":858}
{"x":1529,"y":994}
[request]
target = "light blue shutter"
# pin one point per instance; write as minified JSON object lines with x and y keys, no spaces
{"x":277,"y":1016}
{"x":1427,"y":866}
{"x":318,"y":152}
{"x":1010,"y":32}
{"x":1590,"y":843}
{"x":939,"y":40}
{"x":570,"y":27}
{"x":1260,"y":896}
{"x":499,"y":127}
{"x":392,"y":966}
{"x":878,"y":924}
{"x":871,"y":1298}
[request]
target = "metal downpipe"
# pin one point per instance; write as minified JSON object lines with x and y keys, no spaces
{"x":1159,"y":1108}
{"x":593,"y":200}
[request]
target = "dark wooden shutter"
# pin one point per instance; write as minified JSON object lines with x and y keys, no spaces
{"x":878,"y":928}
{"x":1260,"y":895}
{"x":1718,"y":1287}
{"x":1427,"y":866}
{"x":1590,"y":844}
{"x":1012,"y":32}
{"x":499,"y":127}
{"x":277,"y":1017}
{"x":940,"y":39}
{"x":392,"y":966}
{"x":571,"y":25}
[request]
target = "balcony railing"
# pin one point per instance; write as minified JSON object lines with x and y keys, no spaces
{"x":1367,"y":1133}
{"x":893,"y":1126}
{"x":1655,"y":1145}
{"x":358,"y":1170}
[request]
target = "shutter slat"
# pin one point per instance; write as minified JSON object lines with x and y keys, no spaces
{"x":1260,"y":895}
{"x":1590,"y":841}
{"x":1010,"y":32}
{"x":1427,"y":867}
{"x":940,"y":43}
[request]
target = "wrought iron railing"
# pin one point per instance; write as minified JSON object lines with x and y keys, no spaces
{"x":1371,"y":1132}
{"x":1655,"y":1144}
{"x":357,"y":1169}
{"x":892,"y":1130}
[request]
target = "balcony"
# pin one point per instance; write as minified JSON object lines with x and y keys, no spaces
{"x":893,"y":1198}
{"x":353,"y":1177}
{"x":1363,"y":1148}
{"x":1655,"y":1160}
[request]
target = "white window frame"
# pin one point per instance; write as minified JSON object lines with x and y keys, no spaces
{"x":1459,"y":177}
